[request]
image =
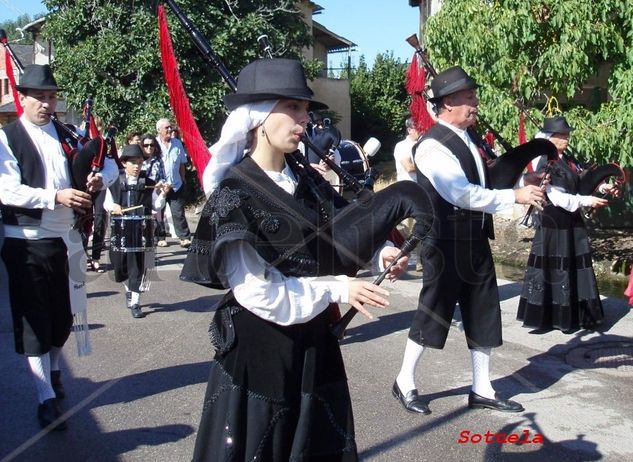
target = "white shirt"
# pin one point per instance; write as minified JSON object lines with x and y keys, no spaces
{"x":443,"y":170}
{"x":56,"y":218}
{"x":401,"y":151}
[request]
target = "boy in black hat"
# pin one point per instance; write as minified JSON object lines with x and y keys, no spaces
{"x":132,"y":199}
{"x":457,"y":261}
{"x":42,"y":252}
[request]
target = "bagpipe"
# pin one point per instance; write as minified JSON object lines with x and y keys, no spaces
{"x":357,"y":229}
{"x":590,"y":177}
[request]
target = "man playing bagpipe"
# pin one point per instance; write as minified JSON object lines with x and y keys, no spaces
{"x":130,"y":201}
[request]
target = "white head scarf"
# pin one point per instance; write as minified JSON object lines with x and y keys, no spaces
{"x":544,"y":135}
{"x":229,"y":149}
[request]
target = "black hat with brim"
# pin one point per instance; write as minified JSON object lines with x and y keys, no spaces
{"x":131,"y":151}
{"x":37,"y":77}
{"x":556,"y":124}
{"x":451,"y":81}
{"x":271,"y":79}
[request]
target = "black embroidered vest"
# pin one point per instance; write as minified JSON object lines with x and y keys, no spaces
{"x":453,"y":222}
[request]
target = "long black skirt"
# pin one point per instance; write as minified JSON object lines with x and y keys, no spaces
{"x":560,"y":289}
{"x":279,"y":393}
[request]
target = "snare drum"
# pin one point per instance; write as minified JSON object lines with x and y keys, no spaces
{"x":130,"y":233}
{"x":353,"y":161}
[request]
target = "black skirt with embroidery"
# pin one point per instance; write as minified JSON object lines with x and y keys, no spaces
{"x":559,"y":288}
{"x":275,"y":393}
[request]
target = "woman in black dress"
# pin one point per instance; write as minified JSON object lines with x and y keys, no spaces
{"x":277,"y":389}
{"x":559,"y":288}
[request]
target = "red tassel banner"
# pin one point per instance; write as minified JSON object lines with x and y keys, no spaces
{"x":178,"y":99}
{"x":415,"y":85}
{"x":523,"y":136}
{"x":8,"y":65}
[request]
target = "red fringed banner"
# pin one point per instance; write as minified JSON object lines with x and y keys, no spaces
{"x":8,"y":65}
{"x":178,"y":99}
{"x":415,"y":85}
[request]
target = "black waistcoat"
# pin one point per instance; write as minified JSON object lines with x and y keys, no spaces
{"x":32,"y":173}
{"x":453,"y":222}
{"x":130,"y":195}
{"x":287,"y":231}
{"x":564,"y":177}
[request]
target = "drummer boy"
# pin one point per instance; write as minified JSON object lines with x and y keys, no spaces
{"x":132,"y":198}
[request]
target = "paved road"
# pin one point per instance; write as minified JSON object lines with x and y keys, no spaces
{"x":138,"y":396}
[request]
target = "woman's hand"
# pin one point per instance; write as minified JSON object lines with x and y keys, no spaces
{"x":398,"y":269}
{"x":597,"y":202}
{"x":361,"y":292}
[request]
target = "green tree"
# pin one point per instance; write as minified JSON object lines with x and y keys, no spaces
{"x":109,"y":50}
{"x":379,"y":101}
{"x":11,"y":28}
{"x":528,"y":51}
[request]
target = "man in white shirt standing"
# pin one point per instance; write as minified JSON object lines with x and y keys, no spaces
{"x":174,"y":159}
{"x":43,"y":254}
{"x":457,"y":260}
{"x":403,"y":153}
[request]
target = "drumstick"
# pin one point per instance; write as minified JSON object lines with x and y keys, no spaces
{"x":131,"y":208}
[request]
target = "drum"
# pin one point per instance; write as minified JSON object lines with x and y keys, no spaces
{"x":353,"y":161}
{"x":131,"y":233}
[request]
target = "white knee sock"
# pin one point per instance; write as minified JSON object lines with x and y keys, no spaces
{"x":135,"y":298}
{"x":481,"y":372}
{"x":41,"y":372}
{"x":56,"y":353}
{"x":406,"y":377}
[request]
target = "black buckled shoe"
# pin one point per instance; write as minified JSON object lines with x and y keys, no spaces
{"x":136,"y":311}
{"x":48,"y":412}
{"x":58,"y":387}
{"x":412,"y":402}
{"x":476,"y":401}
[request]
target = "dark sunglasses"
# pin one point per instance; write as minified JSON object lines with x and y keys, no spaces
{"x":149,"y":146}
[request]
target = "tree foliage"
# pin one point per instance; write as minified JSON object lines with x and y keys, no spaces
{"x":379,"y":101}
{"x":11,"y":27}
{"x":528,"y":51}
{"x":109,"y":50}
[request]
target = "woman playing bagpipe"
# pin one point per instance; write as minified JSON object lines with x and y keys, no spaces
{"x":559,"y":289}
{"x":270,"y":233}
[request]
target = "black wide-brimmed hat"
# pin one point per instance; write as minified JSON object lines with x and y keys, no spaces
{"x":131,"y":151}
{"x":556,"y":124}
{"x":451,"y":81}
{"x":267,"y":79}
{"x":37,"y":77}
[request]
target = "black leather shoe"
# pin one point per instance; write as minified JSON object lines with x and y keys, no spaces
{"x":504,"y":405}
{"x":48,"y":412}
{"x":58,"y":387}
{"x":411,"y":402}
{"x":136,"y":311}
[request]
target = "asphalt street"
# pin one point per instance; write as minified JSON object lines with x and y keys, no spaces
{"x":138,"y":396}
